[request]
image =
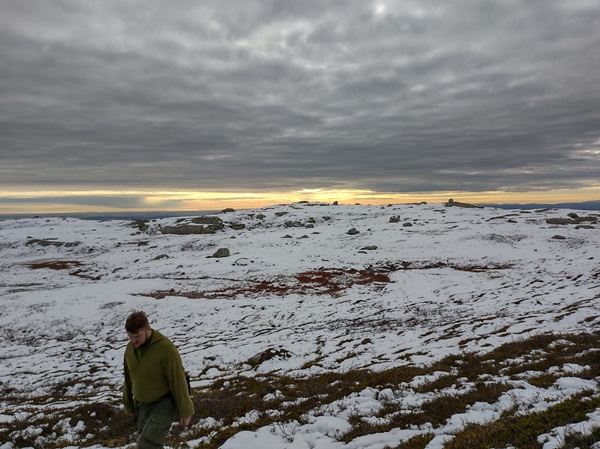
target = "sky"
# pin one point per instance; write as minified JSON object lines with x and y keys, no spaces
{"x":131,"y":104}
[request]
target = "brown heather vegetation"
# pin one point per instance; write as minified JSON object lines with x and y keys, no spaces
{"x":229,"y":399}
{"x":325,"y":281}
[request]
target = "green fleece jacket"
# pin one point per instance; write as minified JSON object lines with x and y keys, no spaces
{"x":154,"y":372}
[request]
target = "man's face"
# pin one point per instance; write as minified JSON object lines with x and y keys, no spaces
{"x":140,"y":337}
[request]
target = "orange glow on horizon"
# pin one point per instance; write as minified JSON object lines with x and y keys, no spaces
{"x":73,"y":201}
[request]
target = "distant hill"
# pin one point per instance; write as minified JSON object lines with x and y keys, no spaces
{"x":586,"y":205}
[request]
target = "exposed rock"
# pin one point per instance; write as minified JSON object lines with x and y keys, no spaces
{"x":210,"y":220}
{"x":162,"y":256}
{"x":142,"y":225}
{"x":452,"y":203}
{"x":237,"y":226}
{"x":287,"y":236}
{"x":573,"y":219}
{"x":352,"y":231}
{"x":186,"y":230}
{"x":369,"y":248}
{"x":268,"y":354}
{"x":559,"y":237}
{"x":221,"y":252}
{"x":295,"y":224}
{"x":52,"y":242}
{"x":572,"y":215}
{"x":261,"y":216}
{"x":584,"y":227}
{"x":407,"y":224}
{"x":395,"y":219}
{"x":201,"y":225}
{"x":560,"y":221}
{"x":229,"y":209}
{"x":281,"y":214}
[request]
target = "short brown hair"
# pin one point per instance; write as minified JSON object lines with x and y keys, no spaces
{"x":136,"y":322}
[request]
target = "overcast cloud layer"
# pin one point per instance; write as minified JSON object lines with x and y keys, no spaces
{"x":394,"y":96}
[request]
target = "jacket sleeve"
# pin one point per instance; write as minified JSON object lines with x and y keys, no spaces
{"x":127,"y":391}
{"x":178,"y":384}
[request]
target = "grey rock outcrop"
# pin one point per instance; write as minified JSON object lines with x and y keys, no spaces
{"x":209,"y":220}
{"x":573,"y":219}
{"x":52,"y":242}
{"x":141,"y":225}
{"x":452,"y":203}
{"x":201,"y":225}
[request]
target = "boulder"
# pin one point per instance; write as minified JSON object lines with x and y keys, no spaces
{"x":560,"y":221}
{"x":201,"y":225}
{"x":221,"y":252}
{"x":573,"y":219}
{"x":452,"y":203}
{"x":294,"y":224}
{"x":268,"y":354}
{"x":52,"y":242}
{"x":209,"y":220}
{"x":186,"y":230}
{"x":141,"y":225}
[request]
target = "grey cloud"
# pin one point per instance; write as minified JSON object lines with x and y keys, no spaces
{"x":419,"y":96}
{"x":121,"y":202}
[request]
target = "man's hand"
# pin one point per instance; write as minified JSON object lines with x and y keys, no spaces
{"x":185,"y":421}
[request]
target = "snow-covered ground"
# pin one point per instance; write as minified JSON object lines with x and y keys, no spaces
{"x":412,"y":285}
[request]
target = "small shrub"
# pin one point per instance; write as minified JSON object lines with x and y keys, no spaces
{"x":577,"y":440}
{"x":544,"y":380}
{"x":522,"y":431}
{"x":416,"y":442}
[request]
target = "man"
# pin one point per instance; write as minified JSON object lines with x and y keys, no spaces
{"x":155,"y":389}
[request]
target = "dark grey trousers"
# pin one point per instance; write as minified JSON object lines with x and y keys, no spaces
{"x":154,"y":422}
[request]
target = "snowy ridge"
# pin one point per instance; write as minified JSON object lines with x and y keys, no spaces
{"x":415,"y":284}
